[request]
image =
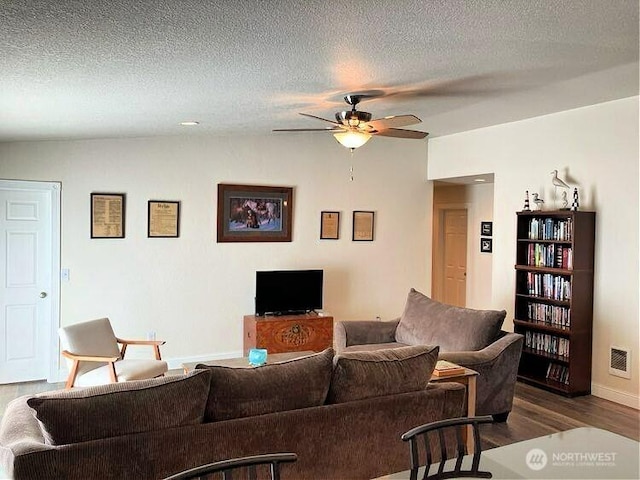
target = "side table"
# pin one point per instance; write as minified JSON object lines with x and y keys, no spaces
{"x":467,"y":378}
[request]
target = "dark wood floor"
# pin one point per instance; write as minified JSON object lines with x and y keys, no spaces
{"x":535,"y":413}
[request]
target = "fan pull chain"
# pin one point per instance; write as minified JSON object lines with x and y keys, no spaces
{"x":351,"y":168}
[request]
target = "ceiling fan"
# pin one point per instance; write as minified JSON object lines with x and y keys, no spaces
{"x":353,"y":128}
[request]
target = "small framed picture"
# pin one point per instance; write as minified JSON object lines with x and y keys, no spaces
{"x":329,"y":225}
{"x":163,"y":219}
{"x":107,"y":215}
{"x":486,"y":229}
{"x":486,"y":245}
{"x":363,"y":226}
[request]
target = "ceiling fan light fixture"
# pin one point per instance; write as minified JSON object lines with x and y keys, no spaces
{"x":352,"y":139}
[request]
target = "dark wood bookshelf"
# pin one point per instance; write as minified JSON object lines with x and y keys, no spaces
{"x":560,"y":293}
{"x":543,"y":327}
{"x":541,"y":354}
{"x":547,"y":384}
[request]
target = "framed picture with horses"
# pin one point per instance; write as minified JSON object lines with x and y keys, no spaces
{"x":252,"y":213}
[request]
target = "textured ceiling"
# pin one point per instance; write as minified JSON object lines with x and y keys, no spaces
{"x":94,"y":69}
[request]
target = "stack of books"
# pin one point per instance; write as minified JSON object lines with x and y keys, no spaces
{"x":447,"y":369}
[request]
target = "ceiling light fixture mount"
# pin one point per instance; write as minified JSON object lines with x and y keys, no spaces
{"x":356,"y":133}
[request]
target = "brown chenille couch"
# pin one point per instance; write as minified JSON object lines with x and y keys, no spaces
{"x":472,"y":338}
{"x":342,"y":416}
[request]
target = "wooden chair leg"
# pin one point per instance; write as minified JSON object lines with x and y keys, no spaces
{"x":156,"y":349}
{"x":71,"y":379}
{"x":112,"y":372}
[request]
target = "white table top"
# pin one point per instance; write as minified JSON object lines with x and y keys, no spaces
{"x":581,"y":453}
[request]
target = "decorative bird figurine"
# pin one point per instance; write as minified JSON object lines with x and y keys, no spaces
{"x":558,"y":182}
{"x":537,"y":200}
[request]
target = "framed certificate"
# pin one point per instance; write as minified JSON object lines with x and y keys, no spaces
{"x":163,"y":219}
{"x":363,"y":226}
{"x":107,"y":215}
{"x":329,"y":225}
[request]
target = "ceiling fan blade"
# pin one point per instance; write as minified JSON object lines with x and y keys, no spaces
{"x":401,"y":133}
{"x":475,"y":85}
{"x":326,"y":129}
{"x":320,"y":118}
{"x":394,"y":121}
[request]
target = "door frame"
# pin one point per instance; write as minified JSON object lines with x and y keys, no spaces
{"x":54,"y":190}
{"x":437,"y":260}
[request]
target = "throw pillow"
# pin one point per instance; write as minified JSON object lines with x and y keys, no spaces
{"x":244,"y":392}
{"x":455,"y":329}
{"x":360,"y":375}
{"x":116,"y":409}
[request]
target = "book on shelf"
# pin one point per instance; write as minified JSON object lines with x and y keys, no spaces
{"x":558,"y":373}
{"x":444,"y":368}
{"x":548,"y":344}
{"x":549,"y":229}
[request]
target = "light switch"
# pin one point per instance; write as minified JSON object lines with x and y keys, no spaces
{"x":64,"y":274}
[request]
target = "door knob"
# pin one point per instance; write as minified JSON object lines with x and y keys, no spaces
{"x":43,"y":294}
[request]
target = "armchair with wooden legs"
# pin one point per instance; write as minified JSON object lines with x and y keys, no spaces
{"x":94,"y":358}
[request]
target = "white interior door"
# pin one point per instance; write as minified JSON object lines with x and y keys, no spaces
{"x":29,"y":287}
{"x":455,"y":257}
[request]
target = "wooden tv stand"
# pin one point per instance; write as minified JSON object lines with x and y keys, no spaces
{"x":288,"y":333}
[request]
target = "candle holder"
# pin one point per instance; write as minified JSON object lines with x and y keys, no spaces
{"x":257,"y":357}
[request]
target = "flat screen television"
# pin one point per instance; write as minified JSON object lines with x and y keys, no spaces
{"x":281,"y":292}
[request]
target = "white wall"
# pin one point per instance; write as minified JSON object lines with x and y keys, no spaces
{"x":596,"y":148}
{"x":193,"y":291}
{"x":479,"y":265}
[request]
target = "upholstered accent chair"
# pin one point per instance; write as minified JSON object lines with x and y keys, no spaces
{"x":471,"y":338}
{"x":94,"y":358}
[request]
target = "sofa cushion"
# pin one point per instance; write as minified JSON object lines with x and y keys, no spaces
{"x":427,"y":322}
{"x":116,"y":409}
{"x":243,"y":392}
{"x":365,"y":374}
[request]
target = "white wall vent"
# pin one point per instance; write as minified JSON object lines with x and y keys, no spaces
{"x":620,"y":362}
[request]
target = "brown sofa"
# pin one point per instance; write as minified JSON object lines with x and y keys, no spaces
{"x":342,"y":416}
{"x":472,"y":338}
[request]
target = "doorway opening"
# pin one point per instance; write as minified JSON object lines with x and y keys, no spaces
{"x":461,"y":274}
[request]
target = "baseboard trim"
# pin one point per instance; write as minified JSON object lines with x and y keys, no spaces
{"x":172,"y":363}
{"x":616,"y":396}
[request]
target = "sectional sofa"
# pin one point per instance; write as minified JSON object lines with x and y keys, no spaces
{"x":342,"y":416}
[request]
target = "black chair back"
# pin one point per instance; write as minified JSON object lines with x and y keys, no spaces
{"x":244,"y":465}
{"x":443,"y":431}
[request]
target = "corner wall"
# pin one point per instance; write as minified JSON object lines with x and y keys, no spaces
{"x":596,"y":149}
{"x":192,"y":291}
